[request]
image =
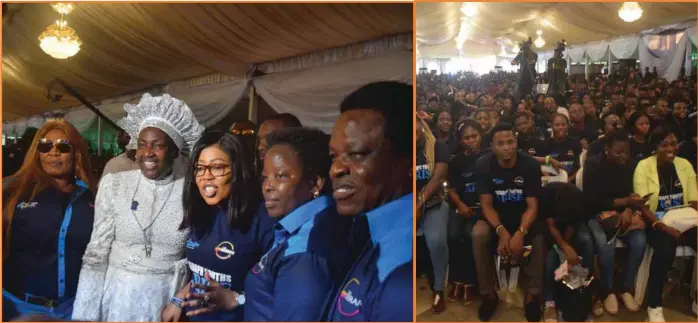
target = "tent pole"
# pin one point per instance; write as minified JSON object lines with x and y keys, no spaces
{"x":82,"y":100}
{"x":586,"y":67}
{"x":252,"y":108}
{"x":610,"y":63}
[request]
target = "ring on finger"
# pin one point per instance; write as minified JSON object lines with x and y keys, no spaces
{"x":207,"y":298}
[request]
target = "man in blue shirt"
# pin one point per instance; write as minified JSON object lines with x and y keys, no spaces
{"x":371,"y":149}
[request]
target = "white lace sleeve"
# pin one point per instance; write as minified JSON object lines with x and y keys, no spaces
{"x":88,"y":299}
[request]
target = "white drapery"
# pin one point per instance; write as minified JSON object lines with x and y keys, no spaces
{"x":576,"y":54}
{"x":597,"y":51}
{"x":314,"y":94}
{"x":624,"y":47}
{"x":666,"y":52}
{"x":81,"y":119}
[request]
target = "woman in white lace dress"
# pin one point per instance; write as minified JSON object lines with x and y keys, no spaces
{"x":135,"y":260}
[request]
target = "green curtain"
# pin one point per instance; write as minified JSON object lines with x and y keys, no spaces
{"x":109,"y":140}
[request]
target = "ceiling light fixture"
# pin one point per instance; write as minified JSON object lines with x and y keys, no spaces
{"x":58,"y":40}
{"x":630,"y":11}
{"x":469,"y":9}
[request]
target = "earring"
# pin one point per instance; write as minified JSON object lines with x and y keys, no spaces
{"x":316,"y":194}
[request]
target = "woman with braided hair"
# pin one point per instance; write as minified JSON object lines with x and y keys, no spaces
{"x":432,"y":212}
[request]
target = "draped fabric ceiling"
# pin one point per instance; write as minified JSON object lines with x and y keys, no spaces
{"x":130,"y":46}
{"x":504,"y":23}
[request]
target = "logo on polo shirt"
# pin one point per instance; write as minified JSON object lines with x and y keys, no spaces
{"x":192,"y":244}
{"x":498,"y":181}
{"x":225,"y":250}
{"x":25,"y":205}
{"x":347,"y":303}
{"x":518,"y":180}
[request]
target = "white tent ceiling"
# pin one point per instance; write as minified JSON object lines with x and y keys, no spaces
{"x":133,"y":46}
{"x":504,"y":23}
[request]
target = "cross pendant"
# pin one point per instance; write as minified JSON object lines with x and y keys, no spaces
{"x":148,"y":249}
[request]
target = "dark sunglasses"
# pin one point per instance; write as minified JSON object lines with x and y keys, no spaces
{"x":63,"y":146}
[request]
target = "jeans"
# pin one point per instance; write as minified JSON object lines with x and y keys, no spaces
{"x":664,"y":247}
{"x":634,"y":240}
{"x":460,"y":250}
{"x":583,"y":244}
{"x":485,"y":242}
{"x":436,"y":235}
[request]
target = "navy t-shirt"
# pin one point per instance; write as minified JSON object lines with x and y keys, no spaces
{"x":509,"y":187}
{"x":461,"y":178}
{"x":670,"y":189}
{"x":566,"y":152}
{"x":228,"y":255}
{"x":292,"y":280}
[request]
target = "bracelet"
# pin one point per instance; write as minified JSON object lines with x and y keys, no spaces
{"x":547,"y":160}
{"x":177,"y":301}
{"x":496,"y":229}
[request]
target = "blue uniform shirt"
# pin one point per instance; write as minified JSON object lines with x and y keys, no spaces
{"x":378,"y":287}
{"x":48,"y":239}
{"x":228,"y":255}
{"x":291,"y":282}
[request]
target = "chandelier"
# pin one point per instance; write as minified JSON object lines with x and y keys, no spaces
{"x":630,"y":11}
{"x":59,"y":40}
{"x":468,"y":9}
{"x":539,"y":42}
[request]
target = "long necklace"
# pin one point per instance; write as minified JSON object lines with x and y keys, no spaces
{"x":148,"y":245}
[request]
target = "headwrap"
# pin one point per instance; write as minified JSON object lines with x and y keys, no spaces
{"x":166,"y":113}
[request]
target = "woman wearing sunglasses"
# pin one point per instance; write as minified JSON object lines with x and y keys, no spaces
{"x":47,"y":218}
{"x":292,"y":281}
{"x":230,"y":231}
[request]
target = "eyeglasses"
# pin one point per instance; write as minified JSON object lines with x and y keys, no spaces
{"x":63,"y":146}
{"x":245,"y":132}
{"x":215,"y":170}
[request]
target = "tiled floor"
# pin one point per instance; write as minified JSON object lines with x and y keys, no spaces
{"x":678,"y":310}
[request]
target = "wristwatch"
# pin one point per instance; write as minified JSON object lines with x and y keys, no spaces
{"x":241,"y":299}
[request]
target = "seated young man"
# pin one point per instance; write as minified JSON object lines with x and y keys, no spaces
{"x":508,"y":182}
{"x":562,"y":207}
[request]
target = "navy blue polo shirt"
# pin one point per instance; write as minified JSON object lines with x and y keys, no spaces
{"x":49,"y":235}
{"x":291,"y":282}
{"x":378,"y":287}
{"x":228,"y":255}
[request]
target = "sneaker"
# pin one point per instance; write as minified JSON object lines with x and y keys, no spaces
{"x":598,"y":308}
{"x":611,"y":304}
{"x":630,"y":302}
{"x":488,"y":308}
{"x":456,"y":292}
{"x":655,"y":314}
{"x":550,"y":314}
{"x":532,"y":311}
{"x":439,"y":304}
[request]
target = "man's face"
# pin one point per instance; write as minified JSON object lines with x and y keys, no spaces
{"x":366,"y":171}
{"x":523,"y":125}
{"x":123,"y":139}
{"x":266,"y":128}
{"x":663,"y":106}
{"x":680,"y":111}
{"x":504,"y":145}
